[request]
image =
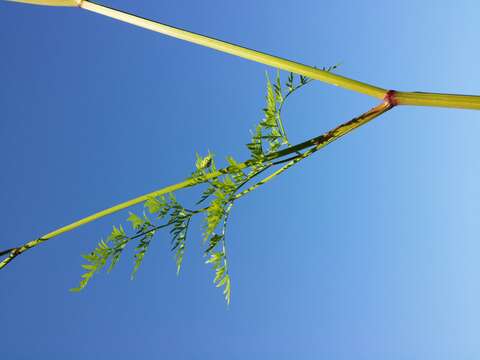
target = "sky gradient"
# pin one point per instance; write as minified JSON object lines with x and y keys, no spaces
{"x":368,"y":250}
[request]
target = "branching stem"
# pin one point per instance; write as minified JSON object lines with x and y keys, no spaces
{"x":317,"y":142}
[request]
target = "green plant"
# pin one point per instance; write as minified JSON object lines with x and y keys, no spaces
{"x":271,"y":154}
{"x":219,"y":193}
{"x":270,"y":151}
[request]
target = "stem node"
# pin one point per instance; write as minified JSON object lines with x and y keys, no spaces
{"x":390,"y":98}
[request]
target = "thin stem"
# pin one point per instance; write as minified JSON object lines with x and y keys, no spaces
{"x":250,"y":177}
{"x":153,"y":228}
{"x":224,"y":231}
{"x":280,"y":107}
{"x":319,"y":141}
{"x":282,"y":129}
{"x":287,"y":159}
{"x":182,"y":250}
{"x":290,"y":92}
{"x":277,"y":172}
{"x":224,"y":250}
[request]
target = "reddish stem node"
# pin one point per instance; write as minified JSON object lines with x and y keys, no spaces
{"x":390,"y":99}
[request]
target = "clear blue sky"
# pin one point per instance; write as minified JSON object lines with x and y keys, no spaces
{"x":368,"y":250}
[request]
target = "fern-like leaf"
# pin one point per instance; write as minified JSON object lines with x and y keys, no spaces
{"x":96,"y":261}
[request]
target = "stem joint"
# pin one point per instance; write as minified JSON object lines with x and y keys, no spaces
{"x":390,"y":98}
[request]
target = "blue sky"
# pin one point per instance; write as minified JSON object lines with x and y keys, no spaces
{"x":367,"y":250}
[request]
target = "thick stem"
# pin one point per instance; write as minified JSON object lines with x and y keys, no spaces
{"x":438,"y":100}
{"x":236,"y":50}
{"x":403,"y":98}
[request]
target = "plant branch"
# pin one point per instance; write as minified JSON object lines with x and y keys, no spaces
{"x":236,"y":50}
{"x":318,"y":142}
{"x":403,"y":98}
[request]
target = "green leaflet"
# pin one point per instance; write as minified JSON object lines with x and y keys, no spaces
{"x":222,"y":278}
{"x":119,"y":239}
{"x":96,"y":261}
{"x":157,"y":206}
{"x":144,"y":231}
{"x":141,"y":250}
{"x":209,"y":191}
{"x":215,"y":213}
{"x":136,"y":221}
{"x":180,"y":220}
{"x":270,"y":135}
{"x":214,"y":240}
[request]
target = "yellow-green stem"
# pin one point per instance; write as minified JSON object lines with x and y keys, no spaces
{"x":437,"y":100}
{"x":172,"y":188}
{"x":401,"y":98}
{"x":236,"y":50}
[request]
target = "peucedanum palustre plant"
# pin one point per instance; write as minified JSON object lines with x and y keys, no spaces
{"x":269,"y":147}
{"x":271,"y":153}
{"x":215,"y":201}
